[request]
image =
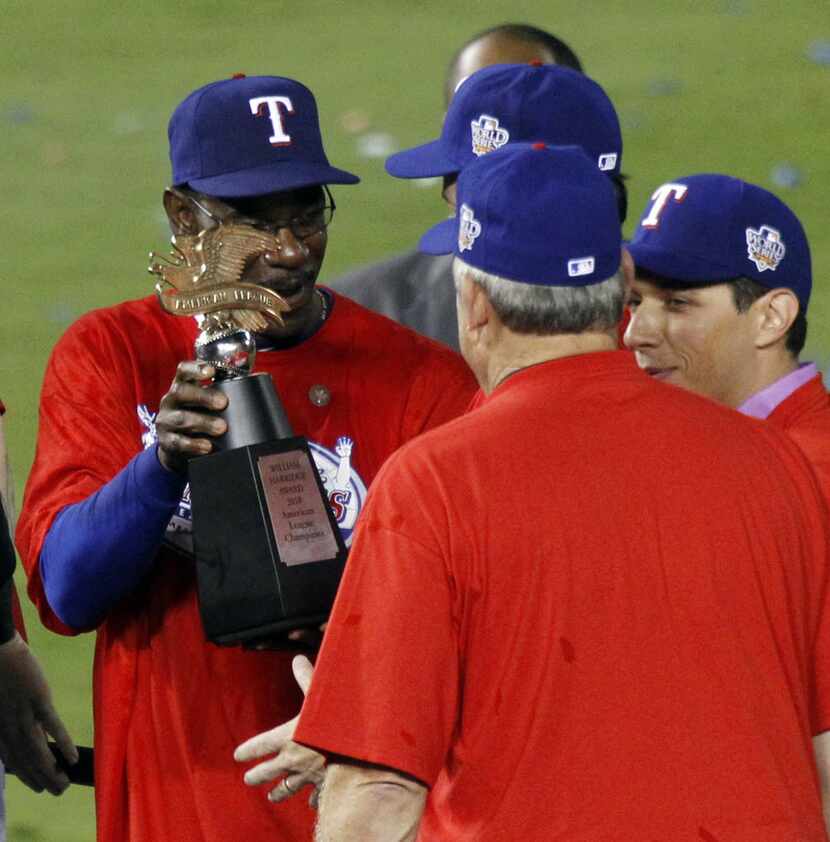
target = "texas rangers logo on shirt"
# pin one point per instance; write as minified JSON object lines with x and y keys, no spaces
{"x":488,"y":135}
{"x":149,"y":437}
{"x":344,"y":488}
{"x":468,"y":228}
{"x":765,"y":247}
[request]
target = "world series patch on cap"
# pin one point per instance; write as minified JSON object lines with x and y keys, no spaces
{"x":709,"y":227}
{"x":509,"y":103}
{"x":540,"y":215}
{"x":249,"y":136}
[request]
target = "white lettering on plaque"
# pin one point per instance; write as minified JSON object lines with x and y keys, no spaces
{"x":297,"y":509}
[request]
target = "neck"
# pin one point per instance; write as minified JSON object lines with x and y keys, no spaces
{"x":516,"y":351}
{"x":317,"y":314}
{"x":772,"y":365}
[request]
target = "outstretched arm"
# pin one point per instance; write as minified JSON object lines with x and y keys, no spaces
{"x":364,"y":803}
{"x":99,"y":549}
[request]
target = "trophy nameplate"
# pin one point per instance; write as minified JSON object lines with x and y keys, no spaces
{"x":299,"y":516}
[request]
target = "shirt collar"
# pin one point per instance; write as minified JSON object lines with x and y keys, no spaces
{"x":763,"y":403}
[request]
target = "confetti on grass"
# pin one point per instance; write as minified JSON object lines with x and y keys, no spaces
{"x":376,"y":145}
{"x":819,"y":52}
{"x":786,"y":176}
{"x":665,"y":87}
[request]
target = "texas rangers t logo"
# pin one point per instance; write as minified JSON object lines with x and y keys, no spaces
{"x":270,"y":105}
{"x":765,"y":247}
{"x":661,"y":197}
{"x":468,"y":228}
{"x":488,"y":135}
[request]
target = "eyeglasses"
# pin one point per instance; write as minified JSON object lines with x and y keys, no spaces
{"x":303,"y":226}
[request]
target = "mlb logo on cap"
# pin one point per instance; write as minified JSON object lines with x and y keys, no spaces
{"x":538,"y":215}
{"x":510,"y":103}
{"x":708,"y":228}
{"x":580,"y":266}
{"x":608,"y":162}
{"x":249,"y":136}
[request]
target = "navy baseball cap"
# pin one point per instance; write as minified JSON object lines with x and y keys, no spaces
{"x":248,"y":136}
{"x":708,"y":228}
{"x":540,"y":215}
{"x":506,"y":103}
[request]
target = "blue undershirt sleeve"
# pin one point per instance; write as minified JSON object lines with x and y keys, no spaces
{"x":99,"y":549}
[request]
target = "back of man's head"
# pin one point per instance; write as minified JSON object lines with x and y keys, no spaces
{"x":550,"y":265}
{"x":509,"y":103}
{"x":507,"y":43}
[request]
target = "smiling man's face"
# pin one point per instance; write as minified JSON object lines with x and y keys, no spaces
{"x":694,"y":338}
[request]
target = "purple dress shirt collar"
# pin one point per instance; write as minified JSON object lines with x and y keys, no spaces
{"x":763,"y":403}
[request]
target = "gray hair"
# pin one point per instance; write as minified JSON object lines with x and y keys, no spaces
{"x":543,"y":310}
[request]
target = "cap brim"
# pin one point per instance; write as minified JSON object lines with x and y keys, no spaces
{"x":273,"y":178}
{"x":678,"y":267}
{"x":426,"y":161}
{"x":441,"y":238}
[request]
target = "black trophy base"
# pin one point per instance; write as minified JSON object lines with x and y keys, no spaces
{"x":269,"y":555}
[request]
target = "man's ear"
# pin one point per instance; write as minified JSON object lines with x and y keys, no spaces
{"x":627,"y":267}
{"x":775,"y":313}
{"x":180,"y":212}
{"x":480,"y":311}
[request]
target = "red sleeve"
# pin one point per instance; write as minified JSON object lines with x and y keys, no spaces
{"x":386,"y":685}
{"x":84,"y":402}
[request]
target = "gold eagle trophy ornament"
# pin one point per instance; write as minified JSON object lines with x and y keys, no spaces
{"x":269,"y":554}
{"x":202,"y":277}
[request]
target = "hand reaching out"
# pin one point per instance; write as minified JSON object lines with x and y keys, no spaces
{"x":297,"y":765}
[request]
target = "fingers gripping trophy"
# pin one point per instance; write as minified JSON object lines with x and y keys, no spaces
{"x":268,"y":551}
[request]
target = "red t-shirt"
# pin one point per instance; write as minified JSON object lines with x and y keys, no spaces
{"x":557,"y":660}
{"x":169,"y":707}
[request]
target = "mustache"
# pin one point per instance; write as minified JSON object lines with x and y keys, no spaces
{"x":282,"y":282}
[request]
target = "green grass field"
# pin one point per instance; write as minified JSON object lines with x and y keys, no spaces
{"x":711,"y":85}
